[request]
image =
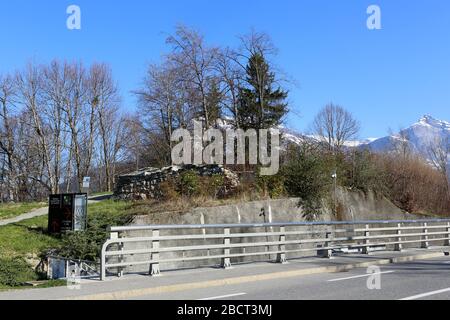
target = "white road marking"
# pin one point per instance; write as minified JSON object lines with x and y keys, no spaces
{"x":427,"y":294}
{"x":447,"y":262}
{"x":222,"y":297}
{"x":361,"y":276}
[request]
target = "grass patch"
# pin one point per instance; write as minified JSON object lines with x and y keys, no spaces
{"x":52,"y":284}
{"x":21,"y":244}
{"x":110,"y":207}
{"x":27,"y":238}
{"x":11,"y":210}
{"x":15,"y":271}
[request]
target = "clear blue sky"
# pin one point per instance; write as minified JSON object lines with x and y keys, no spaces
{"x":387,"y":78}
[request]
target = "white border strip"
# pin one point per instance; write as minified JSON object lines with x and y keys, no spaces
{"x":361,"y":276}
{"x":424,"y":295}
{"x":222,"y":297}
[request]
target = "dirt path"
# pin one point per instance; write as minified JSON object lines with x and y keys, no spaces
{"x":30,"y":215}
{"x":41,"y":212}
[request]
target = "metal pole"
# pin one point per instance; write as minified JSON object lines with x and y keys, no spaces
{"x":399,"y":246}
{"x":282,"y":248}
{"x":154,"y":267}
{"x":334,"y":177}
{"x":425,"y":244}
{"x":447,"y":243}
{"x":226,"y":262}
{"x":366,"y":249}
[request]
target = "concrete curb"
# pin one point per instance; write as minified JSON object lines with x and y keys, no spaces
{"x":129,"y":294}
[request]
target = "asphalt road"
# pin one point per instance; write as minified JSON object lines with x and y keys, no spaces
{"x":426,"y":276}
{"x":419,"y":280}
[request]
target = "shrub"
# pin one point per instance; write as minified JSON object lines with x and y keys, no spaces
{"x":307,"y":176}
{"x":213,"y":186}
{"x":360,"y":171}
{"x":413,"y":185}
{"x":189,"y":183}
{"x":169,"y":190}
{"x":15,"y":271}
{"x":272,"y":186}
{"x":86,"y":245}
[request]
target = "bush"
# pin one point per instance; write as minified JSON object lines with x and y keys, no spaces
{"x":361,"y":172}
{"x":272,"y":186}
{"x":415,"y":186}
{"x":15,"y":271}
{"x":213,"y":186}
{"x":189,"y":183}
{"x":307,"y":176}
{"x":169,"y":190}
{"x":86,"y":245}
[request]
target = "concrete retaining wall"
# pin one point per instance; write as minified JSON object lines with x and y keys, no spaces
{"x":357,"y":206}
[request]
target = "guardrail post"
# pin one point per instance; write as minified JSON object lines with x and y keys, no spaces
{"x":366,"y":248}
{"x":226,"y":261}
{"x":425,"y":244}
{"x":121,"y":260}
{"x":114,"y":236}
{"x":103,"y":263}
{"x":281,"y":258}
{"x":447,"y":242}
{"x":399,"y":246}
{"x":154,"y":267}
{"x":326,"y":253}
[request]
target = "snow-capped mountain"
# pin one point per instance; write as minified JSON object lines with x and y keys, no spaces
{"x":421,"y":137}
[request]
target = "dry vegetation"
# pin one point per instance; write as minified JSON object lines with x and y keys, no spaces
{"x":414,"y":185}
{"x":205,"y":196}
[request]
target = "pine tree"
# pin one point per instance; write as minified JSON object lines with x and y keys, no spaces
{"x":214,"y":99}
{"x":260,"y":105}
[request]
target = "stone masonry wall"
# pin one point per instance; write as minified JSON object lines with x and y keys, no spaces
{"x":146,"y":183}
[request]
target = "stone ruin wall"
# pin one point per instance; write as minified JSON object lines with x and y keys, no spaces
{"x":146,"y":183}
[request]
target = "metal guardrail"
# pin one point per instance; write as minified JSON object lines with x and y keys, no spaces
{"x":277,"y":239}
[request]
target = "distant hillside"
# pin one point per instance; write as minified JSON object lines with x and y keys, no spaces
{"x":419,"y":138}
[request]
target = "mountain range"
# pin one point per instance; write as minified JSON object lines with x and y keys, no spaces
{"x":420,"y":138}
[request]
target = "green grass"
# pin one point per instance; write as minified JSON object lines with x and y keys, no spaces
{"x":29,"y":238}
{"x":12,"y":210}
{"x":110,"y":207}
{"x":26,"y":238}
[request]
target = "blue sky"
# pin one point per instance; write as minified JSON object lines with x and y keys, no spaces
{"x":388,"y":78}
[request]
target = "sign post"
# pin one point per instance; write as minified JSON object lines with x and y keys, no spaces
{"x":86,"y":185}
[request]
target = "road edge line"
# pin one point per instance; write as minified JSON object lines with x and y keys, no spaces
{"x":134,"y":293}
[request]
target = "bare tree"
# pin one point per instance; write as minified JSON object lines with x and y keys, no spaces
{"x":105,"y":102}
{"x":255,"y":43}
{"x":75,"y":117}
{"x":335,"y":126}
{"x":231,"y":76}
{"x":400,"y":145}
{"x":196,"y":60}
{"x":55,"y":120}
{"x":160,"y":101}
{"x":30,"y":88}
{"x":438,"y":153}
{"x":55,"y":87}
{"x":7,"y":141}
